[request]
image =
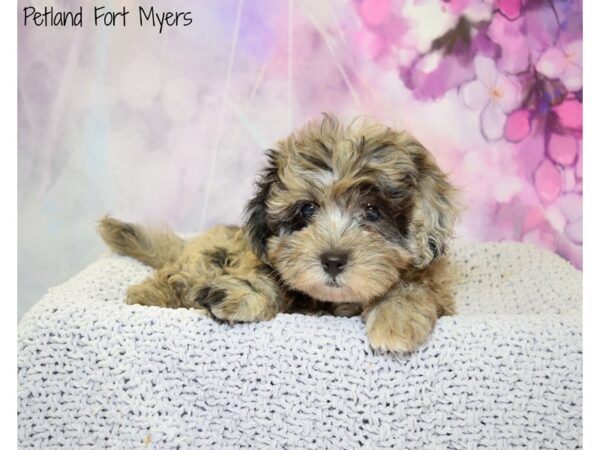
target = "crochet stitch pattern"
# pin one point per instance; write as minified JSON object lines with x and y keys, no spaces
{"x":505,"y":372}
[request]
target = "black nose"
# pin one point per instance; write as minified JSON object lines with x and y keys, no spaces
{"x":334,"y":262}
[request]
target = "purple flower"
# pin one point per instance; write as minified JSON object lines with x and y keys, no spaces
{"x":492,"y":93}
{"x":515,"y":45}
{"x":563,"y":62}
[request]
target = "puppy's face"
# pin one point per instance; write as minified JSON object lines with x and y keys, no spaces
{"x":340,"y":211}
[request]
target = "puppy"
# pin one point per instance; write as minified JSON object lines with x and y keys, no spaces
{"x":346,"y":219}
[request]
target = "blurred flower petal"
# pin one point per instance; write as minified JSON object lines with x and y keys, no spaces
{"x":369,"y":42}
{"x":492,"y":122}
{"x":574,"y":231}
{"x":569,"y":179}
{"x":508,"y":96}
{"x":564,"y":63}
{"x":507,"y":188}
{"x":517,"y":125}
{"x":571,"y":206}
{"x":512,"y":39}
{"x":574,"y":51}
{"x":552,"y":63}
{"x":456,"y":6}
{"x":485,"y":68}
{"x":478,"y":12}
{"x":510,"y":8}
{"x":542,"y":237}
{"x":572,"y":77}
{"x":374,"y":12}
{"x":533,"y":218}
{"x":562,"y":149}
{"x":475,"y":95}
{"x":541,"y":28}
{"x":570,"y":113}
{"x":555,"y":218}
{"x":548,"y":181}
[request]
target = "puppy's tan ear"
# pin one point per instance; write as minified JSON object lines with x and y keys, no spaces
{"x":435,"y":207}
{"x":256,"y":224}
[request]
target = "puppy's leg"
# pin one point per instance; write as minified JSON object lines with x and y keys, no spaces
{"x":151,"y":293}
{"x":250,"y":297}
{"x":347,"y":309}
{"x":162,"y":288}
{"x":403,"y":319}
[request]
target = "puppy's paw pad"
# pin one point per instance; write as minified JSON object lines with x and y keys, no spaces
{"x":210,"y":296}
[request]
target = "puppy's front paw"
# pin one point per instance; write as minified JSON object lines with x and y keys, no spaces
{"x":392,"y":327}
{"x":235,"y":299}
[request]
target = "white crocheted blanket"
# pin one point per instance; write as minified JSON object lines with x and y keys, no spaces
{"x":506,"y":372}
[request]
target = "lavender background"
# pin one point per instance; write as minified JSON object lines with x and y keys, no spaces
{"x":171,"y":127}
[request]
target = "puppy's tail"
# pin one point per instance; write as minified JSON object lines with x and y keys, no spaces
{"x":153,"y":247}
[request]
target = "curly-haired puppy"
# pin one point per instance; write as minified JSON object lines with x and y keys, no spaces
{"x":346,"y":220}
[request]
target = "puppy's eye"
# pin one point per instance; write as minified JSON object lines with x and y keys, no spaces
{"x":371,"y":213}
{"x":308,"y":210}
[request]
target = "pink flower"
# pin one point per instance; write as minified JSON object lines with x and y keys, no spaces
{"x":563,"y":63}
{"x":510,"y":8}
{"x":562,"y":148}
{"x":374,"y":12}
{"x":492,"y":93}
{"x":547,"y":181}
{"x":570,"y":113}
{"x":517,"y":125}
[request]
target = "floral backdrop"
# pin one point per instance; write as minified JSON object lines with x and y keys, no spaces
{"x":171,"y":126}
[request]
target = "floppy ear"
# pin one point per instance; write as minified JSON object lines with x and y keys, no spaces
{"x":435,"y":207}
{"x":256,"y":224}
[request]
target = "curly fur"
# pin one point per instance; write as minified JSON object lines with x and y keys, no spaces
{"x":364,"y":191}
